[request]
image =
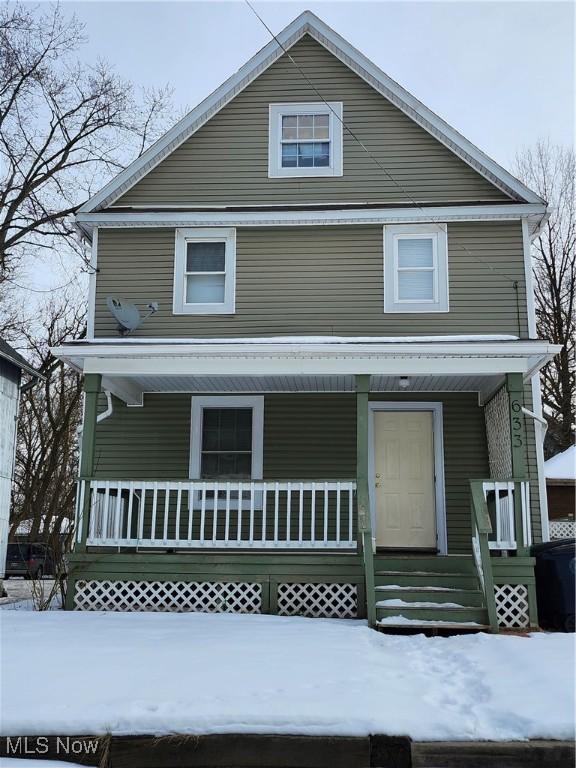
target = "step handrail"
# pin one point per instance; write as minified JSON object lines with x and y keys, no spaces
{"x":481,"y":529}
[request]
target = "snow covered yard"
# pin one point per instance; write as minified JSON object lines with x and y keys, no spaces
{"x":153,"y":673}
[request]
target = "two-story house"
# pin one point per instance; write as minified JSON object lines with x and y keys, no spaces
{"x":334,"y":409}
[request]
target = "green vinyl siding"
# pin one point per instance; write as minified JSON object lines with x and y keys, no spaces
{"x":306,"y":436}
{"x":226,"y":161}
{"x":318,"y":280}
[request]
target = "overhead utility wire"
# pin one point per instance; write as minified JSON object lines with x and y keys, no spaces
{"x":356,"y":138}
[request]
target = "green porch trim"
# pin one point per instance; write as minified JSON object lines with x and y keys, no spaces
{"x":363,"y":492}
{"x":92,"y":385}
{"x":518,"y":443}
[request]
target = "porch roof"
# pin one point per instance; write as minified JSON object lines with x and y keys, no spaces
{"x":132,"y":366}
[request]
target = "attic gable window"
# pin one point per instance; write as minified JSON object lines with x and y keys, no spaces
{"x":415,"y":268}
{"x":305,"y":139}
{"x":204,"y":271}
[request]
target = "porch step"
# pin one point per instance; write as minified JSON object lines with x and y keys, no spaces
{"x":462,"y":564}
{"x":429,"y":627}
{"x":445,"y":612}
{"x":430,"y":594}
{"x":426,"y":579}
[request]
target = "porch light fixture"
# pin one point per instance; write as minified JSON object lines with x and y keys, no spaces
{"x":404,"y":382}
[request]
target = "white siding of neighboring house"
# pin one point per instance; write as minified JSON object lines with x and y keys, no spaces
{"x":9,"y":383}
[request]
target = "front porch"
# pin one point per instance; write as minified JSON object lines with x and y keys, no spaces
{"x":292,"y":503}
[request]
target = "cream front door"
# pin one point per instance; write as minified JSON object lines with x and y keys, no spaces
{"x":404,"y":492}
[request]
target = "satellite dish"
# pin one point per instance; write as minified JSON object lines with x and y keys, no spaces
{"x":128,"y":315}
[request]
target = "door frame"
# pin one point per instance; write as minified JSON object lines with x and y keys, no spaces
{"x":438,"y":438}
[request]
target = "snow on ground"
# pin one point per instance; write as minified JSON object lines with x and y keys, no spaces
{"x":19,"y":597}
{"x":200,"y":673}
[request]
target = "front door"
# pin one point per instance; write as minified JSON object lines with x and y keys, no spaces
{"x":404,"y":491}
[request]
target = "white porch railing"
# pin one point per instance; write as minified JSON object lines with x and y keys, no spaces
{"x":500,"y":495}
{"x":213,"y":515}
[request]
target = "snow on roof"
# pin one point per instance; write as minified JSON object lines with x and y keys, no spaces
{"x":562,"y":466}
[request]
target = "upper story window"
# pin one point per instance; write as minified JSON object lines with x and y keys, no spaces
{"x":415,"y":268}
{"x":305,"y":139}
{"x":204,"y":271}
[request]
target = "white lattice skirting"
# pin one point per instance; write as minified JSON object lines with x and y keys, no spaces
{"x":318,"y":600}
{"x":512,"y":606}
{"x":562,"y":529}
{"x":203,"y":596}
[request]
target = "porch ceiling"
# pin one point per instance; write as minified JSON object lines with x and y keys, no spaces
{"x":130,"y":367}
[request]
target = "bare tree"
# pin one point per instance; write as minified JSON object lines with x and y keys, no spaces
{"x":550,"y":171}
{"x":47,"y":444}
{"x":65,"y":128}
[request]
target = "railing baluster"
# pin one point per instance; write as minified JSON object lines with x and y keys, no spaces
{"x":264,"y":500}
{"x":141,"y":512}
{"x":325,"y":513}
{"x":288,"y":510}
{"x":190,"y":510}
{"x":276,"y":492}
{"x":338,"y":486}
{"x":301,"y":514}
{"x":166,"y":513}
{"x":154,"y":506}
{"x":498,"y":512}
{"x":116,"y":521}
{"x":350,"y":515}
{"x":313,"y":514}
{"x":80,"y":522}
{"x":104,"y":524}
{"x":227,"y":524}
{"x":215,"y":513}
{"x":203,"y":513}
{"x":178,"y":503}
{"x":252,"y":494}
{"x":129,"y":516}
{"x":239,"y":531}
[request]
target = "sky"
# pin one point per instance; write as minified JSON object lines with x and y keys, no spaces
{"x":502,"y":73}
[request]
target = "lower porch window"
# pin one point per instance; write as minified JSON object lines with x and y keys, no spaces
{"x":227,"y":440}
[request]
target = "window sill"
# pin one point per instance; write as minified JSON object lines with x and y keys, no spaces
{"x":204,"y":310}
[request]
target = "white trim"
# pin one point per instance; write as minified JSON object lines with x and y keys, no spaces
{"x":256,"y":403}
{"x":439,"y":485}
{"x":438,"y":233}
{"x":539,"y":433}
{"x":276,"y":112}
{"x":184,"y":236}
{"x":529,"y":278}
{"x":308,"y":23}
{"x":171,"y":219}
{"x":91,"y":310}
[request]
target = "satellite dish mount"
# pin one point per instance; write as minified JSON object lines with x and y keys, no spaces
{"x":128,"y":315}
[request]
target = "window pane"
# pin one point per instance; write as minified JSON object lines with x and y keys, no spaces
{"x":205,"y":289}
{"x":227,"y":429}
{"x":415,"y":252}
{"x":306,"y":155}
{"x":321,"y":154}
{"x":416,"y":285}
{"x":289,"y":127}
{"x":305,"y":126}
{"x":205,"y":257}
{"x":232,"y":466}
{"x":321,"y":126}
{"x":289,"y":155}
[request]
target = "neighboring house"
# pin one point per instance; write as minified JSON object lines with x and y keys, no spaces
{"x":13,"y":367}
{"x":334,"y":410}
{"x":560,"y":473}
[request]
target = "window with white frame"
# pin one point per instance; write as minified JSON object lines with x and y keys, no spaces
{"x":204,"y":271}
{"x":227,"y":438}
{"x":305,"y":139}
{"x":415,"y":268}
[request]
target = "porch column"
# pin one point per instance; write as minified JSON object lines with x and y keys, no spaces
{"x":92,"y":383}
{"x":363,"y":493}
{"x":515,"y":389}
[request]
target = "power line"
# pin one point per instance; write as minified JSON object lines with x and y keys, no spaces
{"x":431,"y":219}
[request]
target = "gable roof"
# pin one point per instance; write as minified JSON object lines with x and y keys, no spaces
{"x":10,"y":354}
{"x":309,"y":23}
